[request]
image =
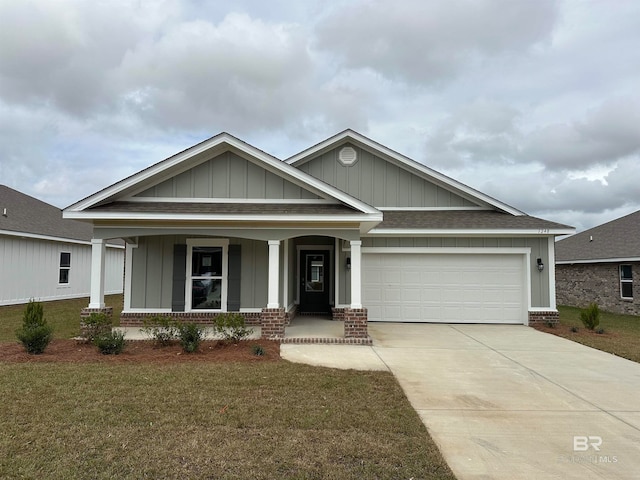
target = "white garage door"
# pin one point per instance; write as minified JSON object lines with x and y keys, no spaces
{"x":448,"y":288}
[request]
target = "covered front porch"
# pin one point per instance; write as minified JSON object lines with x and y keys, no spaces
{"x":301,"y":289}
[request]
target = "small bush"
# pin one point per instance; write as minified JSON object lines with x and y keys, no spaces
{"x":258,"y":350}
{"x":35,"y":333}
{"x":190,"y":335}
{"x":574,"y":329}
{"x":163,"y":330}
{"x":551,"y":324}
{"x":94,"y":326}
{"x":231,"y":327}
{"x":111,"y":343}
{"x":590,"y":316}
{"x":599,"y":330}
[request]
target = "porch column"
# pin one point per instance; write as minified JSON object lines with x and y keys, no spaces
{"x":356,"y":275}
{"x":98,"y":252}
{"x":274,"y":275}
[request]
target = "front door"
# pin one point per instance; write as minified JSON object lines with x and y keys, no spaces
{"x":315,"y":277}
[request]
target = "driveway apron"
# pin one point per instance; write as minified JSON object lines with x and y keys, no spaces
{"x":510,"y":402}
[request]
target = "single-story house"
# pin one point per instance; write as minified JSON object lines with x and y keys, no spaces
{"x":45,"y":257}
{"x":347,"y":227}
{"x":601,"y":265}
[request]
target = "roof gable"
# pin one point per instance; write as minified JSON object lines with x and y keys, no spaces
{"x":179,"y":171}
{"x":396,"y":180}
{"x":612,"y":241}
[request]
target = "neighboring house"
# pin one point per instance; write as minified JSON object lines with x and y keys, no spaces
{"x":601,"y":265}
{"x":45,"y":257}
{"x":347,"y":227}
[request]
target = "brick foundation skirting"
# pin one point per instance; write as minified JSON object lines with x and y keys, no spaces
{"x":272,"y":322}
{"x":544,"y":317}
{"x":201,"y":318}
{"x":86,"y":312}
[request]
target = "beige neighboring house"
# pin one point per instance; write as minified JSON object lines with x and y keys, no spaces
{"x":45,"y":257}
{"x":347,"y":227}
{"x":601,"y":265}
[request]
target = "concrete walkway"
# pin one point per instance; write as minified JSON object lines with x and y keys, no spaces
{"x":507,"y":402}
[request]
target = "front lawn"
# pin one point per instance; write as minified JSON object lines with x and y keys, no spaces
{"x":209,"y":420}
{"x":63,"y":315}
{"x":621,"y":332}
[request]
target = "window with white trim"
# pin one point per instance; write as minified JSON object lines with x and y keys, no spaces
{"x":626,"y":282}
{"x":65,"y":268}
{"x":206,"y":288}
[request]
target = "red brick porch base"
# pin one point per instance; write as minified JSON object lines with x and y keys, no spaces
{"x":544,"y":317}
{"x":355,"y":323}
{"x":86,"y":312}
{"x":272,"y":321}
{"x":201,"y":318}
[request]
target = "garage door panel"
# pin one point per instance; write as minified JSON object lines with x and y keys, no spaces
{"x":456,"y":288}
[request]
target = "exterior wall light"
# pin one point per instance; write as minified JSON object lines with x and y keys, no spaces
{"x":348,"y":263}
{"x":540,"y":265}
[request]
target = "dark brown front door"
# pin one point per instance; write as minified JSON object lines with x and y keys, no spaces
{"x":315,"y":277}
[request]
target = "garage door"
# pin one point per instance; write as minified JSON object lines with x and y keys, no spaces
{"x":448,"y":288}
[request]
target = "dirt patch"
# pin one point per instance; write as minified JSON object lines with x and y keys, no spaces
{"x":71,"y":351}
{"x":565,"y":331}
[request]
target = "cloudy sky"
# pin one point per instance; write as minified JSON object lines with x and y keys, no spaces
{"x":534,"y":102}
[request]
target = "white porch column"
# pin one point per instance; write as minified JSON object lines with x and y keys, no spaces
{"x":98,"y":252}
{"x":356,"y":274}
{"x":274,"y":275}
{"x":551,"y":271}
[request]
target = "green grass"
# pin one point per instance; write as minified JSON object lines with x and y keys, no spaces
{"x":621,"y":332}
{"x":62,"y":315}
{"x":209,"y":420}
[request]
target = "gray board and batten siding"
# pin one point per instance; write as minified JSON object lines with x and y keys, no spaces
{"x":228,"y":176}
{"x":379,"y":182}
{"x":153,"y":264}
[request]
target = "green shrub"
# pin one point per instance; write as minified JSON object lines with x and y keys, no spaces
{"x":231,"y":327}
{"x":599,"y":331}
{"x":94,"y":326}
{"x":190,"y":335}
{"x":258,"y":350}
{"x":110,"y":343}
{"x":574,"y":329}
{"x":590,"y":316}
{"x":35,"y":333}
{"x":163,"y":330}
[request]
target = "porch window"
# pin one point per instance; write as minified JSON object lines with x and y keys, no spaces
{"x":65,"y":267}
{"x":626,"y":282}
{"x":207,"y":276}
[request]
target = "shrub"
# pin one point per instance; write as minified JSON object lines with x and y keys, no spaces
{"x":590,"y":316}
{"x":599,"y":331}
{"x":258,"y":350}
{"x":190,"y":336}
{"x":94,"y":326}
{"x":231,"y":326}
{"x":35,"y":333}
{"x":574,"y":329}
{"x":163,"y":330}
{"x":110,"y":343}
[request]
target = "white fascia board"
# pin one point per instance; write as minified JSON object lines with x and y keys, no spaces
{"x":356,"y":217}
{"x":253,"y":201}
{"x":434,"y":209}
{"x":48,"y":238}
{"x":396,"y":232}
{"x":448,"y":250}
{"x":425,"y":171}
{"x":297,"y":176}
{"x":599,"y":260}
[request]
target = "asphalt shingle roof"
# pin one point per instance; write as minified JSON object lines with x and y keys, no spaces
{"x":463,"y":220}
{"x":26,"y":214}
{"x":618,"y":238}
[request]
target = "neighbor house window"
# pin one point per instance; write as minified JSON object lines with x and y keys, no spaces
{"x":626,"y":281}
{"x":206,"y":287}
{"x":65,"y":267}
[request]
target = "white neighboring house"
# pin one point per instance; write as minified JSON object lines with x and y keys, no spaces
{"x":45,"y":257}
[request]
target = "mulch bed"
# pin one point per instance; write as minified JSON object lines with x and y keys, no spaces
{"x":142,"y":351}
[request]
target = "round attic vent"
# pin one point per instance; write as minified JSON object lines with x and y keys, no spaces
{"x":347,"y":156}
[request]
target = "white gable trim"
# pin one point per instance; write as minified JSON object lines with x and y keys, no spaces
{"x":422,"y":170}
{"x":222,"y":142}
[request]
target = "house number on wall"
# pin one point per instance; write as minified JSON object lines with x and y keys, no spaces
{"x":543,"y":230}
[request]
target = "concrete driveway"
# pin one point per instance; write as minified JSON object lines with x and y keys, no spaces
{"x":509,"y":402}
{"x":506,"y":401}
